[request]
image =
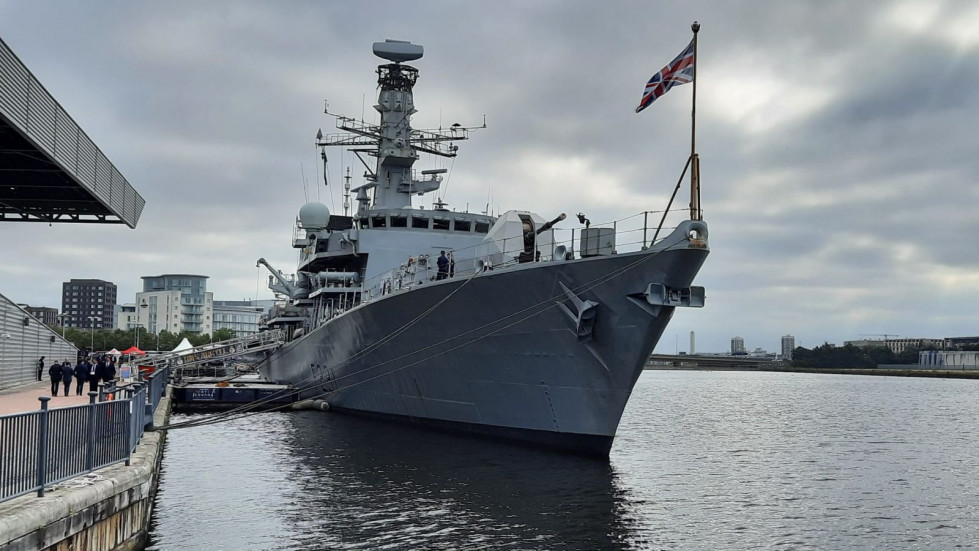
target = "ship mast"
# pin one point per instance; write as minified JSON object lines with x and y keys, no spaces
{"x":393,"y":142}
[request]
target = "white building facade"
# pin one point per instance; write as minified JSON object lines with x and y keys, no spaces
{"x":175,"y":303}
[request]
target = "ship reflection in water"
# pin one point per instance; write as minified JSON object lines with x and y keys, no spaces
{"x":702,"y":460}
{"x":310,"y":480}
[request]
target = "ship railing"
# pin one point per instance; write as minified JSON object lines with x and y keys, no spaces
{"x":51,"y":445}
{"x":632,"y":233}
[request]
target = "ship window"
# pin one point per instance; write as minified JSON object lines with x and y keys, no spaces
{"x":482,"y":227}
{"x":419,"y":222}
{"x":440,"y":223}
{"x":378,"y":222}
{"x":399,"y":221}
{"x":463,"y":225}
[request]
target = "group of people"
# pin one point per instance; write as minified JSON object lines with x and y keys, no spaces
{"x":104,"y":369}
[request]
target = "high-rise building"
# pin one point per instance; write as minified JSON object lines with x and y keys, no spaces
{"x":788,"y":345}
{"x":737,"y":347}
{"x":88,"y":303}
{"x":175,"y":303}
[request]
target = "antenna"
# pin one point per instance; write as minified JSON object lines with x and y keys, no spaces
{"x":346,"y":193}
{"x":305,"y":189}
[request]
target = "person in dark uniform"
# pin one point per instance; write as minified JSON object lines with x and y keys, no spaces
{"x":443,"y":264}
{"x":95,"y":374}
{"x":109,"y":373}
{"x":40,"y":368}
{"x":66,"y":372}
{"x":55,"y":373}
{"x":81,"y":373}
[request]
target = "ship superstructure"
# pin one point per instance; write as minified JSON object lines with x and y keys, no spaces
{"x":465,"y":320}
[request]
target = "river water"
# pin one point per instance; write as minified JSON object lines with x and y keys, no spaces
{"x":702,"y":460}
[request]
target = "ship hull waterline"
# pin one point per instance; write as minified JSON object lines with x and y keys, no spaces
{"x":500,"y":354}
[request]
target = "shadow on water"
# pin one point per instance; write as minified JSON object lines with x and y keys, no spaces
{"x":367,"y":484}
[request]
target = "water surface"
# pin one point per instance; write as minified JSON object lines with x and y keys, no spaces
{"x":702,"y":460}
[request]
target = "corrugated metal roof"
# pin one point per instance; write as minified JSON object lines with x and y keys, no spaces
{"x":50,"y":170}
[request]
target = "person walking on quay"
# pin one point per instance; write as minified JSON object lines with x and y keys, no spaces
{"x":109,"y":374}
{"x":95,"y":374}
{"x":81,"y":373}
{"x":55,"y":373}
{"x":40,"y":368}
{"x":67,"y":371}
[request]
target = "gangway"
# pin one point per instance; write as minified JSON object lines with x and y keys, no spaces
{"x":216,"y":351}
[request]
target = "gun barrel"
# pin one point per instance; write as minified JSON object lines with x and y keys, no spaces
{"x":550,"y":224}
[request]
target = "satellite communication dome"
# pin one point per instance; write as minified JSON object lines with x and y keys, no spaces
{"x":314,"y":216}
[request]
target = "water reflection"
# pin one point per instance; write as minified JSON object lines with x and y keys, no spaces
{"x":366,"y":485}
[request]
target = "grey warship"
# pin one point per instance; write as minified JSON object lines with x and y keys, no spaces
{"x":513,"y":334}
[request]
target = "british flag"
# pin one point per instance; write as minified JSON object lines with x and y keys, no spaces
{"x":679,"y":71}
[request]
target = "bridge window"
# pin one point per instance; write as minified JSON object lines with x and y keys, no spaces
{"x":399,"y":221}
{"x":419,"y":222}
{"x":378,"y":222}
{"x":463,"y":225}
{"x":482,"y":227}
{"x":440,"y":223}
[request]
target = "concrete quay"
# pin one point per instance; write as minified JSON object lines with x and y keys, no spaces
{"x":106,"y":510}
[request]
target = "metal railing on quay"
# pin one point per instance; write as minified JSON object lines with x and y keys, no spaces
{"x":48,"y":446}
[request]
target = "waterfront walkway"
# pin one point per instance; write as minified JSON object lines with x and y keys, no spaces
{"x":25,"y":398}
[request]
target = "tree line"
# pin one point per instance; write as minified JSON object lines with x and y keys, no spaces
{"x":851,"y":357}
{"x":102,"y":340}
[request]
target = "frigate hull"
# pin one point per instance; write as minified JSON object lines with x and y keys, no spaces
{"x":546,"y":352}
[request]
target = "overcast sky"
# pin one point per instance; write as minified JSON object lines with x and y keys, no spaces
{"x":838,"y":146}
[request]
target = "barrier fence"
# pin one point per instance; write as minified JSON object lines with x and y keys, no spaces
{"x":48,"y":446}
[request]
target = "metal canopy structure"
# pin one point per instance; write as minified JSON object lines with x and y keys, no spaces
{"x":50,"y":170}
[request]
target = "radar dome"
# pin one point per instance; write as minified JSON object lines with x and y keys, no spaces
{"x":314,"y":216}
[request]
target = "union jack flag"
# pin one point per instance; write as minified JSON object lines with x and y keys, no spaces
{"x":679,"y":71}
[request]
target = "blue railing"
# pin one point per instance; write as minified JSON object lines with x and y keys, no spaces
{"x":48,"y":446}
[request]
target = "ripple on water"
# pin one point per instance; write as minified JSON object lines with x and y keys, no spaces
{"x":704,"y":460}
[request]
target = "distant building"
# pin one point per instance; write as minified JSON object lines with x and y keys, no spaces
{"x":788,"y":345}
{"x":948,"y":360}
{"x":175,"y":303}
{"x":85,"y":299}
{"x":954,"y":343}
{"x":865,"y":343}
{"x":737,"y":347}
{"x":240,"y":316}
{"x":47,"y":316}
{"x":900,"y":345}
{"x":126,"y":317}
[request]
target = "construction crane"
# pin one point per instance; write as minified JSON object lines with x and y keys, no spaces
{"x":885,"y":335}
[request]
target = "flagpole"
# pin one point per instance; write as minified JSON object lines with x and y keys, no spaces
{"x":695,"y":213}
